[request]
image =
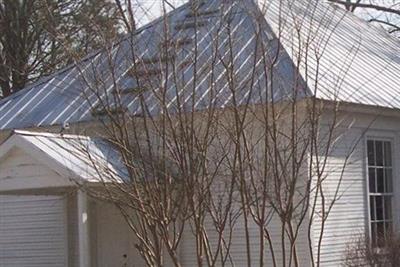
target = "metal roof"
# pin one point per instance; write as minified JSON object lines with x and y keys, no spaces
{"x":359,"y":64}
{"x":82,"y":156}
{"x":357,"y":61}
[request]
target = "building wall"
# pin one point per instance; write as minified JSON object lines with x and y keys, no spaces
{"x":22,"y":171}
{"x":37,"y":220}
{"x":346,"y":179}
{"x":237,"y":233}
{"x":73,"y":240}
{"x":110,"y":236}
{"x":238,"y":251}
{"x":114,"y":239}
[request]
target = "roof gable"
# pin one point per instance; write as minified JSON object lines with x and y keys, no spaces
{"x":76,"y":158}
{"x":20,"y":170}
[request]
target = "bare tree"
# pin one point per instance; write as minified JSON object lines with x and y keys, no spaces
{"x":218,"y":143}
{"x":384,"y":13}
{"x":33,"y":35}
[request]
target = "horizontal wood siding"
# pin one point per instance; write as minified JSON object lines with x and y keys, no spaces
{"x":238,"y":250}
{"x":32,"y":231}
{"x":348,"y":217}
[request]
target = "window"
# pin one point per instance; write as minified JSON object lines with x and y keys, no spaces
{"x":380,"y":184}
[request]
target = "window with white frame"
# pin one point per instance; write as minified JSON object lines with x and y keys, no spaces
{"x":380,"y":185}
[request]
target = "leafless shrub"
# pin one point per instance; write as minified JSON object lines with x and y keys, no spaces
{"x":362,"y":252}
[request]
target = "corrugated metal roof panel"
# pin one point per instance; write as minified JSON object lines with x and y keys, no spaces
{"x":357,"y":62}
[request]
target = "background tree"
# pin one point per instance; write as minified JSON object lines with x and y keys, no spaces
{"x":33,"y":34}
{"x":385,"y":13}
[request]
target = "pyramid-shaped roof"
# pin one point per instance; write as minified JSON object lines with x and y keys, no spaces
{"x":240,"y":52}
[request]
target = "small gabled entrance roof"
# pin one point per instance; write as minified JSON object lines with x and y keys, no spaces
{"x":78,"y":159}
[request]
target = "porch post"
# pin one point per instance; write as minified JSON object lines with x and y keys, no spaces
{"x":83,"y":230}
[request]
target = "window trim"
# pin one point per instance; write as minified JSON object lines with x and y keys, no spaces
{"x":382,"y":138}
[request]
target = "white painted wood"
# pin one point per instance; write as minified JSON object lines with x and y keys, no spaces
{"x":238,"y":252}
{"x":73,"y":240}
{"x":238,"y":247}
{"x":347,"y":220}
{"x":83,"y":229}
{"x":114,"y":239}
{"x":21,"y":171}
{"x":32,"y":231}
{"x":349,"y":217}
{"x":17,"y":142}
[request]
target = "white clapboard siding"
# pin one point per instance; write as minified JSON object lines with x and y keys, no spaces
{"x":32,"y":231}
{"x":115,"y":241}
{"x":238,"y":250}
{"x":19,"y":171}
{"x":348,"y":217}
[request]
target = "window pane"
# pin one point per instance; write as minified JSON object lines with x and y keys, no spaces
{"x":379,"y":181}
{"x":388,"y":181}
{"x":371,"y":153}
{"x":379,"y":153}
{"x":372,"y":183}
{"x":388,"y":208}
{"x":379,"y":208}
{"x":372,"y":208}
{"x":388,"y":154}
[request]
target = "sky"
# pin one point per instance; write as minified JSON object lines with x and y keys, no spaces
{"x":148,"y":10}
{"x":369,"y":14}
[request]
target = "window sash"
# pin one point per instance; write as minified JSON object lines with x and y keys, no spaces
{"x":380,"y":189}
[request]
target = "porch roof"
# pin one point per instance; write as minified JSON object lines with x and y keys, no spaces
{"x":78,"y":158}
